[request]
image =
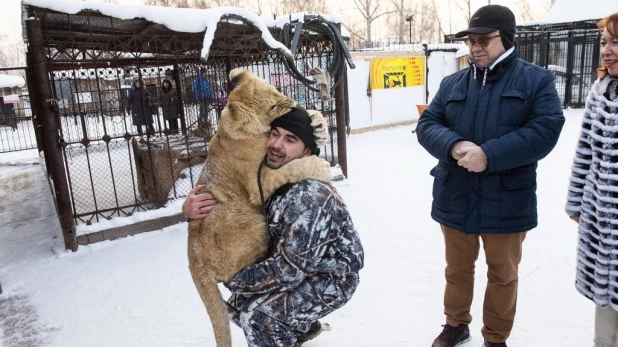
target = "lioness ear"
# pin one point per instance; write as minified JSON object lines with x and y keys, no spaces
{"x":320,"y":128}
{"x":282,"y":107}
{"x":237,"y":75}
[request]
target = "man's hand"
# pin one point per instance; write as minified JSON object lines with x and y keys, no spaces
{"x":459,"y":145}
{"x":197,"y":206}
{"x":575,"y":219}
{"x":473,"y":158}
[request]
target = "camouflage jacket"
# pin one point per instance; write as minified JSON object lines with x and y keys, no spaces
{"x":313,"y":241}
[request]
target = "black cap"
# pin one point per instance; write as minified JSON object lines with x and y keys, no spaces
{"x":491,"y":18}
{"x":298,"y":122}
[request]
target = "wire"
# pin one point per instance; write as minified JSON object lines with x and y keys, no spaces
{"x":315,"y":24}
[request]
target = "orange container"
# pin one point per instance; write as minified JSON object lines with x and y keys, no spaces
{"x":421,"y":108}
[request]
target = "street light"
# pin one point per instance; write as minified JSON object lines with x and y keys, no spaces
{"x":409,"y":19}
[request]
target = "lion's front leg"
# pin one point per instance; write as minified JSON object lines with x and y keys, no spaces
{"x":311,"y":167}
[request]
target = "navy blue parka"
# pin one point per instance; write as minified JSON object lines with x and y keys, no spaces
{"x":515,"y":116}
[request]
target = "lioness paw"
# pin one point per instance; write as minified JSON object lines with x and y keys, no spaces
{"x":320,"y":128}
{"x":320,"y":168}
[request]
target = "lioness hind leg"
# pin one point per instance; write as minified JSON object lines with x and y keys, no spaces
{"x":213,"y":301}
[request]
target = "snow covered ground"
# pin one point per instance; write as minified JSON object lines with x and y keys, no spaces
{"x":137,"y":291}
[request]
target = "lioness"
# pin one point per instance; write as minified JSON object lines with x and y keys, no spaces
{"x":234,"y":234}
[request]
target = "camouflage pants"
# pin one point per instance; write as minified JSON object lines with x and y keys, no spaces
{"x":272,"y":320}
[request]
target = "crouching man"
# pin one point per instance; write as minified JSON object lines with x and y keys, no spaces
{"x":315,"y":253}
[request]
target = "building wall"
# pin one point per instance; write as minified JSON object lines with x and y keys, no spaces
{"x":383,"y":107}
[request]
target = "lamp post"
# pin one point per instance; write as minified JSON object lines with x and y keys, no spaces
{"x":409,"y":19}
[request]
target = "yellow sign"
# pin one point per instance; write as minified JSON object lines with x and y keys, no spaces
{"x":397,"y":72}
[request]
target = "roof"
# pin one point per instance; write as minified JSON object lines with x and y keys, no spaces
{"x":99,"y":25}
{"x":9,"y":81}
{"x":565,"y":11}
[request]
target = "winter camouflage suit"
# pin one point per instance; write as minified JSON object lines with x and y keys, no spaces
{"x":312,"y":267}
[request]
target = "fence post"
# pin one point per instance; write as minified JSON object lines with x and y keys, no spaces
{"x":51,"y":138}
{"x":341,"y":104}
{"x":568,"y":86}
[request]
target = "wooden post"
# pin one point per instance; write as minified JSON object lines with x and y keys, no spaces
{"x":51,"y":139}
{"x":341,"y":104}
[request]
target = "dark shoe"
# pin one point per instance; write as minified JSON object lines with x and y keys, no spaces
{"x":494,"y":344}
{"x":314,"y":330}
{"x":452,"y":336}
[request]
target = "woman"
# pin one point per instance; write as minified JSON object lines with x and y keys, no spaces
{"x":138,"y":106}
{"x":169,"y":104}
{"x":593,"y":192}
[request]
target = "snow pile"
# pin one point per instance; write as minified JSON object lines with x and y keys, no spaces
{"x":9,"y":81}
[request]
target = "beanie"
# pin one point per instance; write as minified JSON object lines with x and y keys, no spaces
{"x":491,"y":18}
{"x":298,"y":122}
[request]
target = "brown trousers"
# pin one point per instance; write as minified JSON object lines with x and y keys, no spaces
{"x":503,"y":254}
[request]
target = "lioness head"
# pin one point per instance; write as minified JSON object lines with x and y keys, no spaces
{"x":253,"y":101}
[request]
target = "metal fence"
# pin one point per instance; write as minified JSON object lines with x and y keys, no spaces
{"x":569,"y":50}
{"x":111,"y":169}
{"x":17,"y":133}
{"x":386,"y":45}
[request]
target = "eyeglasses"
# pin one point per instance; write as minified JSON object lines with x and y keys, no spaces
{"x":482,"y":40}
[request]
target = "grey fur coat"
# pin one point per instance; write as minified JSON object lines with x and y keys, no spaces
{"x":593,"y":195}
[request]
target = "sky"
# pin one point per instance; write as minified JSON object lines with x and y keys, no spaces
{"x":137,"y":291}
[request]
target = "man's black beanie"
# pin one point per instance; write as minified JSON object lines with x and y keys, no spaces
{"x":298,"y":122}
{"x":491,"y":18}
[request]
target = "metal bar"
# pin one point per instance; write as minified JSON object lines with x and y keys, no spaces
{"x":14,"y":68}
{"x":568,"y":87}
{"x":52,"y":144}
{"x":180,"y":96}
{"x":340,"y":102}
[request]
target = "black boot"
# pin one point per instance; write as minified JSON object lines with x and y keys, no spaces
{"x":495,"y":344}
{"x":452,"y":336}
{"x":314,"y":330}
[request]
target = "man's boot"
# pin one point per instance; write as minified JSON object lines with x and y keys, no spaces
{"x":314,"y":330}
{"x":495,"y":344}
{"x":452,"y":336}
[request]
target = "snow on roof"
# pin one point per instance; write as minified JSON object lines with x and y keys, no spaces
{"x":564,"y":11}
{"x":181,"y":19}
{"x":9,"y":81}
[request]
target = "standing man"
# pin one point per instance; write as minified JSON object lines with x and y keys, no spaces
{"x":202,"y":90}
{"x":315,"y":252}
{"x":488,"y":126}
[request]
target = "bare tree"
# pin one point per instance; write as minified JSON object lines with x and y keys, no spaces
{"x":527,"y":15}
{"x":354,"y":28}
{"x":465,"y":6}
{"x":370,"y":11}
{"x":402,"y":26}
{"x":230,"y":3}
{"x":259,"y":7}
{"x":200,"y":4}
{"x":12,"y":51}
{"x":293,"y":6}
{"x":429,"y":28}
{"x":195,"y":3}
{"x":438,"y":21}
{"x":165,"y":3}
